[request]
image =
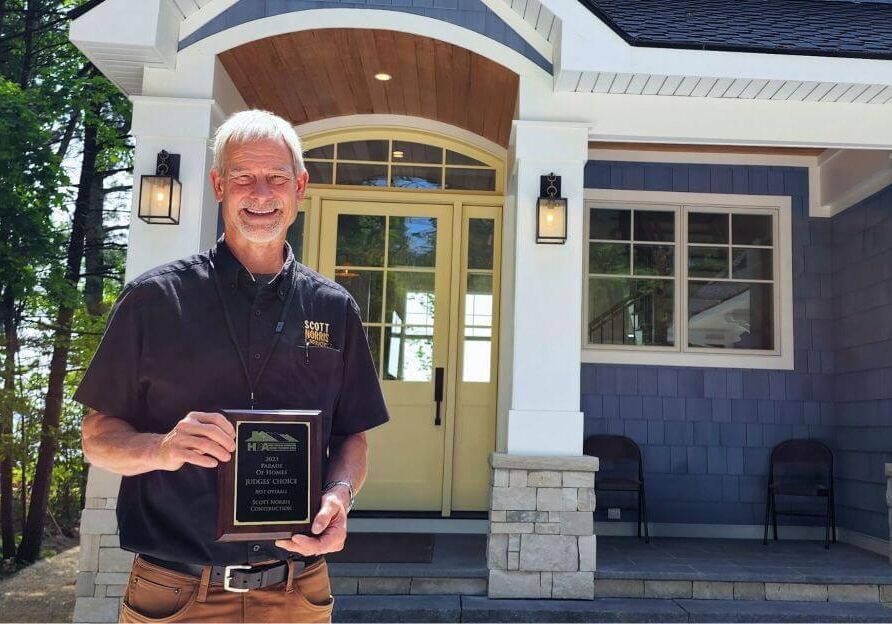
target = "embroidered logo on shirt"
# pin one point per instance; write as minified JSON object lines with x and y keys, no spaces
{"x":317,"y":334}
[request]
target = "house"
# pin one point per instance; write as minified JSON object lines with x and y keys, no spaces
{"x":725,"y":282}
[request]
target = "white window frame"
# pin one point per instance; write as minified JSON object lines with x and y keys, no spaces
{"x":781,"y":358}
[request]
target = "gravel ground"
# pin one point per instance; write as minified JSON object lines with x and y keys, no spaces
{"x":43,"y":592}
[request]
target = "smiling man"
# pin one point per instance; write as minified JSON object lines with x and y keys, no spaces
{"x":195,"y":336}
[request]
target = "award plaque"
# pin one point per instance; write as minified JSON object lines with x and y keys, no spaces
{"x":271,"y":488}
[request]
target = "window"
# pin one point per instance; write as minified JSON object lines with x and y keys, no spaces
{"x":392,"y":163}
{"x":702,"y":281}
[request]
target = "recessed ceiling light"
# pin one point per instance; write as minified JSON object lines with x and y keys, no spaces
{"x":398,"y":153}
{"x":383,"y":77}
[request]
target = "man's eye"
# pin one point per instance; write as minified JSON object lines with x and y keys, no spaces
{"x":243,"y":180}
{"x":279,"y":179}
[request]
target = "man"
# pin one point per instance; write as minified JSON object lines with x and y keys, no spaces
{"x":195,"y":336}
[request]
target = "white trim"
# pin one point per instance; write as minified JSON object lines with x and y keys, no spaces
{"x":709,"y":531}
{"x":783,"y":359}
{"x":522,"y":28}
{"x":743,"y":531}
{"x":383,"y":19}
{"x":419,"y":525}
{"x":202,"y":16}
{"x":589,"y":45}
{"x":864,"y":541}
{"x":347,"y":122}
{"x":862,"y":190}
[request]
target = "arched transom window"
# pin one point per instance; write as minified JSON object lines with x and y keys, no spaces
{"x":398,"y":164}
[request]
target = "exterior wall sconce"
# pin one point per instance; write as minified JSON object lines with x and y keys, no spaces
{"x":160,"y":194}
{"x":551,"y":212}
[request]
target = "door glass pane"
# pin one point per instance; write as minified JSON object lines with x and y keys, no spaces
{"x":360,"y":240}
{"x":609,"y":258}
{"x":470,"y":179}
{"x":408,"y":353}
{"x":730,"y":315}
{"x":708,"y":261}
{"x":367,"y":288}
{"x":362,"y":175}
{"x":607,"y":224}
{"x":654,"y":260}
{"x":363,"y":150}
{"x":407,"y":151}
{"x":404,"y":176}
{"x":477,"y":348}
{"x":410,"y":298}
{"x":751,"y":263}
{"x":374,"y":337}
{"x":295,"y":236}
{"x":325,"y":151}
{"x":320,"y":172}
{"x":454,"y":158}
{"x":412,"y":241}
{"x":707,"y":227}
{"x":630,"y":311}
{"x":654,"y":225}
{"x":480,"y":243}
{"x":751,"y":229}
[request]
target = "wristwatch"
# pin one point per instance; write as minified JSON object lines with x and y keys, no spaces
{"x":346,"y":484}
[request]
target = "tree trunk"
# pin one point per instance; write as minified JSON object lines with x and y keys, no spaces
{"x":32,"y":535}
{"x":93,"y":250}
{"x":7,"y":409}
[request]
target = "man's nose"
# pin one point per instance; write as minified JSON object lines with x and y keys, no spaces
{"x":262,"y":189}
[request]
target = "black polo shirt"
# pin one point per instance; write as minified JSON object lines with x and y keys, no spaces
{"x":166,"y":351}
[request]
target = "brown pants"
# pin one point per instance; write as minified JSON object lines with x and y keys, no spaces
{"x":155,"y":594}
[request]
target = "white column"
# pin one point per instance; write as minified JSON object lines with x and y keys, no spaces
{"x":546,"y":307}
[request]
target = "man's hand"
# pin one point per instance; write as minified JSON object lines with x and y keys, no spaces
{"x":201,"y":438}
{"x":330,"y":525}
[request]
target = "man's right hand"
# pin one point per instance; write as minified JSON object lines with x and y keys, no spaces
{"x":201,"y":438}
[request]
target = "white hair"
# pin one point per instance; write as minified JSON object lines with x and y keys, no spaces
{"x":254,"y":125}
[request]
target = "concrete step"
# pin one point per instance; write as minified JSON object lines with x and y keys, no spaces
{"x":479,"y":609}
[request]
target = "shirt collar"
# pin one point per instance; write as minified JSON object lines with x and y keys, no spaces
{"x":228,"y":268}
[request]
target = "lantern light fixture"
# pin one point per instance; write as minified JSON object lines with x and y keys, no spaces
{"x":160,"y":195}
{"x":551,"y":212}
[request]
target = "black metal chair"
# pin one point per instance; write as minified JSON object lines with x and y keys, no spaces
{"x":801,"y":467}
{"x":623,"y":472}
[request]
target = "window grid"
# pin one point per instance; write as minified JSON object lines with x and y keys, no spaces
{"x":681,"y":309}
{"x":443,"y":166}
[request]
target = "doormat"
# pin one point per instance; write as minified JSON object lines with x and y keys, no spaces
{"x":385,"y":548}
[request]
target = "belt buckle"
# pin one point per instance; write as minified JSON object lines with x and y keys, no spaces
{"x":227,"y":577}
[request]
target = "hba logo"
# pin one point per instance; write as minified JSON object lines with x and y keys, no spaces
{"x":269,"y":441}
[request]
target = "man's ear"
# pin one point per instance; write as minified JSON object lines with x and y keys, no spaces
{"x":217,"y":184}
{"x":301,"y":184}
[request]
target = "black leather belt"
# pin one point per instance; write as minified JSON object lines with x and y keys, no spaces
{"x":238,"y":578}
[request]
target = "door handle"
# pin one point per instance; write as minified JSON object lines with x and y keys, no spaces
{"x":438,"y":392}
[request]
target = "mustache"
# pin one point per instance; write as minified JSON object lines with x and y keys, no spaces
{"x":251,"y":204}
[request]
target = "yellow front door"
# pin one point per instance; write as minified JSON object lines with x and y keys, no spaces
{"x":395,"y":259}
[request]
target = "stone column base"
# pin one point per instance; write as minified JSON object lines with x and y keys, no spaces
{"x":541,"y":541}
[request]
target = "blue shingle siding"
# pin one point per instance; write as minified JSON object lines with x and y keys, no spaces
{"x":709,"y":431}
{"x":470,"y":14}
{"x":849,"y":29}
{"x":862,"y":305}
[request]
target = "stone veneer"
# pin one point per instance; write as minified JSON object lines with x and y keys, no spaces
{"x":103,"y":568}
{"x":541,"y":541}
{"x":889,"y":504}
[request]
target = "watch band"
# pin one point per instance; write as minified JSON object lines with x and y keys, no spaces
{"x":346,"y":484}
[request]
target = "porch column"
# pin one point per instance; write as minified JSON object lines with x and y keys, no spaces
{"x":544,"y":416}
{"x":181,"y":126}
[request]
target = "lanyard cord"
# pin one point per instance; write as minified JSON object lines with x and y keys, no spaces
{"x":280,"y":326}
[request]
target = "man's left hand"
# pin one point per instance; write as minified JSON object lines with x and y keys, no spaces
{"x":329,"y":527}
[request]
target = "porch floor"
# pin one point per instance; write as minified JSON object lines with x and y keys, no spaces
{"x":454,"y":556}
{"x":790,"y":561}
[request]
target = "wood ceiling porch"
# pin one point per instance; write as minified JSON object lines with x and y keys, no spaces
{"x":311,"y":75}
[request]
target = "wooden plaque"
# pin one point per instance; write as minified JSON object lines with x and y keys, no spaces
{"x":271,"y":488}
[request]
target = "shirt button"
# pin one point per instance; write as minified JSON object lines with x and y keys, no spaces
{"x":256,"y":312}
{"x":256,"y":356}
{"x":256,"y":548}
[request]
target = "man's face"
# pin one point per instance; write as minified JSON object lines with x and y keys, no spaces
{"x":260,"y":191}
